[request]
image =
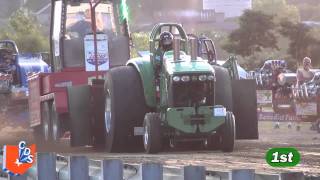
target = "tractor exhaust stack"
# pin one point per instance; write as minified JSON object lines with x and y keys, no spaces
{"x":176,"y":49}
{"x":194,"y":49}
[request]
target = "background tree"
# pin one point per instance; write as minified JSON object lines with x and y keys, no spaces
{"x":26,"y":32}
{"x":256,"y":32}
{"x":302,"y":41}
{"x":279,"y":8}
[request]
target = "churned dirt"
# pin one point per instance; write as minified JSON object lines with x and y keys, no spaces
{"x":247,"y":154}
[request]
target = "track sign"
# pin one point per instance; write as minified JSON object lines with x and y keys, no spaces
{"x":102,"y":49}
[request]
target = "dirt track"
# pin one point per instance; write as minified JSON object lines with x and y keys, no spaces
{"x":247,"y":154}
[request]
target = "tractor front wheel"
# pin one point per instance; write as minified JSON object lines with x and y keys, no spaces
{"x":152,"y":138}
{"x":227,"y":133}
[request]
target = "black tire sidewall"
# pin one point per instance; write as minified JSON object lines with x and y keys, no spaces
{"x":110,"y":135}
{"x":153,"y":123}
{"x":128,"y":108}
{"x":228,"y":133}
{"x":55,"y":120}
{"x":39,"y":130}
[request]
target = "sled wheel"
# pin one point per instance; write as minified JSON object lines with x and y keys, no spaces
{"x":42,"y":133}
{"x":55,"y":123}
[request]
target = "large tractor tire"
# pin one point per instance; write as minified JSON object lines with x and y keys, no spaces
{"x":223,"y":88}
{"x":227,"y":133}
{"x":125,"y":109}
{"x":80,"y":115}
{"x":152,"y":138}
{"x":43,"y":132}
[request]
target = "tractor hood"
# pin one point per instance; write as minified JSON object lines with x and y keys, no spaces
{"x":185,"y":65}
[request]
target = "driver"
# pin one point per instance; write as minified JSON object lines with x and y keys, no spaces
{"x":165,"y":44}
{"x":83,"y":26}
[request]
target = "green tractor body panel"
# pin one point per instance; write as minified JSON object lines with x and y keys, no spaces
{"x":185,"y":65}
{"x":146,"y":71}
{"x":184,"y":119}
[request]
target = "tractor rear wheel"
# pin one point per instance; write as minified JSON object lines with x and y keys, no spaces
{"x":223,"y":88}
{"x":152,"y":138}
{"x":125,"y":108}
{"x":227,"y":133}
{"x":42,"y":133}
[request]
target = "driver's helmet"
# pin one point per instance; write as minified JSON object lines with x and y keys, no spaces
{"x":166,"y":41}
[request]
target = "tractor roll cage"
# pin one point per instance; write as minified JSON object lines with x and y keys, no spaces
{"x":156,"y":32}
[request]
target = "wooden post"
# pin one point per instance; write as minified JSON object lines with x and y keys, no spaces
{"x":194,"y":172}
{"x":46,"y":166}
{"x":112,"y":169}
{"x":152,"y":171}
{"x":239,"y":174}
{"x":78,"y":168}
{"x":292,"y":176}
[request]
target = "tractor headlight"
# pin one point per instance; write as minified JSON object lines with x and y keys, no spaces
{"x":176,"y":78}
{"x":210,"y":77}
{"x":219,"y":111}
{"x":202,"y":77}
{"x":185,"y":78}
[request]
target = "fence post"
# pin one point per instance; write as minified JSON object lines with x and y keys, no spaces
{"x":242,"y":174}
{"x":152,"y":171}
{"x":292,"y":176}
{"x":46,"y":166}
{"x":112,"y":169}
{"x":78,"y":168}
{"x":22,"y":177}
{"x":194,"y":172}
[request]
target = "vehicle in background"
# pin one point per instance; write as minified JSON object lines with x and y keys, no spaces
{"x":14,"y":70}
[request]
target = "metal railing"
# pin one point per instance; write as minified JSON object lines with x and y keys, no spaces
{"x":50,"y":166}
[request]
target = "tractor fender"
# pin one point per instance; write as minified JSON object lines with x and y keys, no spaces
{"x":146,"y":72}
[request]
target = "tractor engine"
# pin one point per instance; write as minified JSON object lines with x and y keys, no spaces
{"x":276,"y":78}
{"x":308,"y":90}
{"x":193,"y":90}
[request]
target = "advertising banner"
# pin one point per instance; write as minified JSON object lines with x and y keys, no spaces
{"x":306,"y":108}
{"x":103,"y":53}
{"x":264,"y":96}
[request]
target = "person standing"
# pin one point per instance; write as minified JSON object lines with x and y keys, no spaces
{"x":304,"y":74}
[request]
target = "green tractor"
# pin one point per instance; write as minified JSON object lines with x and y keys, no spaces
{"x":182,"y":98}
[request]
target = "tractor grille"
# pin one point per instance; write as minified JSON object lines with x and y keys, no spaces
{"x":193,"y":93}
